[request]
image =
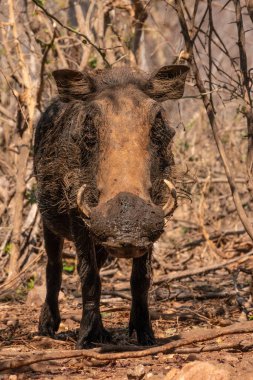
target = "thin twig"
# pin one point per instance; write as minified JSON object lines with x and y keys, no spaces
{"x":212,"y":119}
{"x":100,"y":51}
{"x":42,"y":69}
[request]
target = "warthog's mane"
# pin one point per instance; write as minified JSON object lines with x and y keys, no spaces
{"x":120,"y":77}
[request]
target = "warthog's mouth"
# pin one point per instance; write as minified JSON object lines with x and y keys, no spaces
{"x":126,"y":250}
{"x":127,"y":225}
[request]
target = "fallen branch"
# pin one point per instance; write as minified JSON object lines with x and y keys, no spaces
{"x":220,"y":235}
{"x":203,"y":335}
{"x":209,"y":268}
{"x":238,"y":346}
{"x":114,"y":293}
{"x":77,"y":316}
{"x":199,"y":297}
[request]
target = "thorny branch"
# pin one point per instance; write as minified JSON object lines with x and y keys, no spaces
{"x":207,"y":269}
{"x":212,"y":119}
{"x":100,"y":51}
{"x":42,"y":69}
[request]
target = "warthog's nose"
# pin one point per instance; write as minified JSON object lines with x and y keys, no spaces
{"x":127,"y":221}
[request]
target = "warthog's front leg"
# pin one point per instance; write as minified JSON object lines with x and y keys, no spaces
{"x":50,"y":316}
{"x":91,"y":328}
{"x":139,"y":317}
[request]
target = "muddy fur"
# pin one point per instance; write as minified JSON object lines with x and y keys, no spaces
{"x":161,"y":140}
{"x":64,"y":156}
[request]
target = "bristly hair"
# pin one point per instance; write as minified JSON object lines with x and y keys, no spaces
{"x":120,"y":76}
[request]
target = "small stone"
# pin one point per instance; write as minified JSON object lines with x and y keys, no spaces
{"x":198,"y":371}
{"x":12,"y":322}
{"x":36,"y":296}
{"x":224,"y":322}
{"x":191,"y":358}
{"x":137,"y":373}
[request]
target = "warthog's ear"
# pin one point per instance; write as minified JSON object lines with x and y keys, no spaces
{"x":168,"y":83}
{"x":72,"y":84}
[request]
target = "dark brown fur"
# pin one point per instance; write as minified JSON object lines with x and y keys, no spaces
{"x":104,"y":131}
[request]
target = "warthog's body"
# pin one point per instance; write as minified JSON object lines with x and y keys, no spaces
{"x":102,"y":151}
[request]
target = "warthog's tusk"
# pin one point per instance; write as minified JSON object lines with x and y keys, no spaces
{"x":170,"y":206}
{"x":81,"y":202}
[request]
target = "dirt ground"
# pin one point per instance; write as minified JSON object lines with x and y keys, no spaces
{"x":216,"y":299}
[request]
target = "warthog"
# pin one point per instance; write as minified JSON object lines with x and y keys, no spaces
{"x":103,"y":163}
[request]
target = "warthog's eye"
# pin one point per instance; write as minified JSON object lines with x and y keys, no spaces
{"x":89,"y":134}
{"x":160,"y":133}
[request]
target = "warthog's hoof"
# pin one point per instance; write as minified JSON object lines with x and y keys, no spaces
{"x":145,"y":335}
{"x":49,"y":322}
{"x":85,"y":339}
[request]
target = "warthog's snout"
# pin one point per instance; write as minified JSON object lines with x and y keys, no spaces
{"x":127,"y":225}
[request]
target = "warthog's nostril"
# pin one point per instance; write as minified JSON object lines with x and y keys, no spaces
{"x":125,"y":245}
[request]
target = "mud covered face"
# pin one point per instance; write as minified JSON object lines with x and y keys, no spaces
{"x":126,"y":142}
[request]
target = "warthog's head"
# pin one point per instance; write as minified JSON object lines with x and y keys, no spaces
{"x":125,"y":143}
